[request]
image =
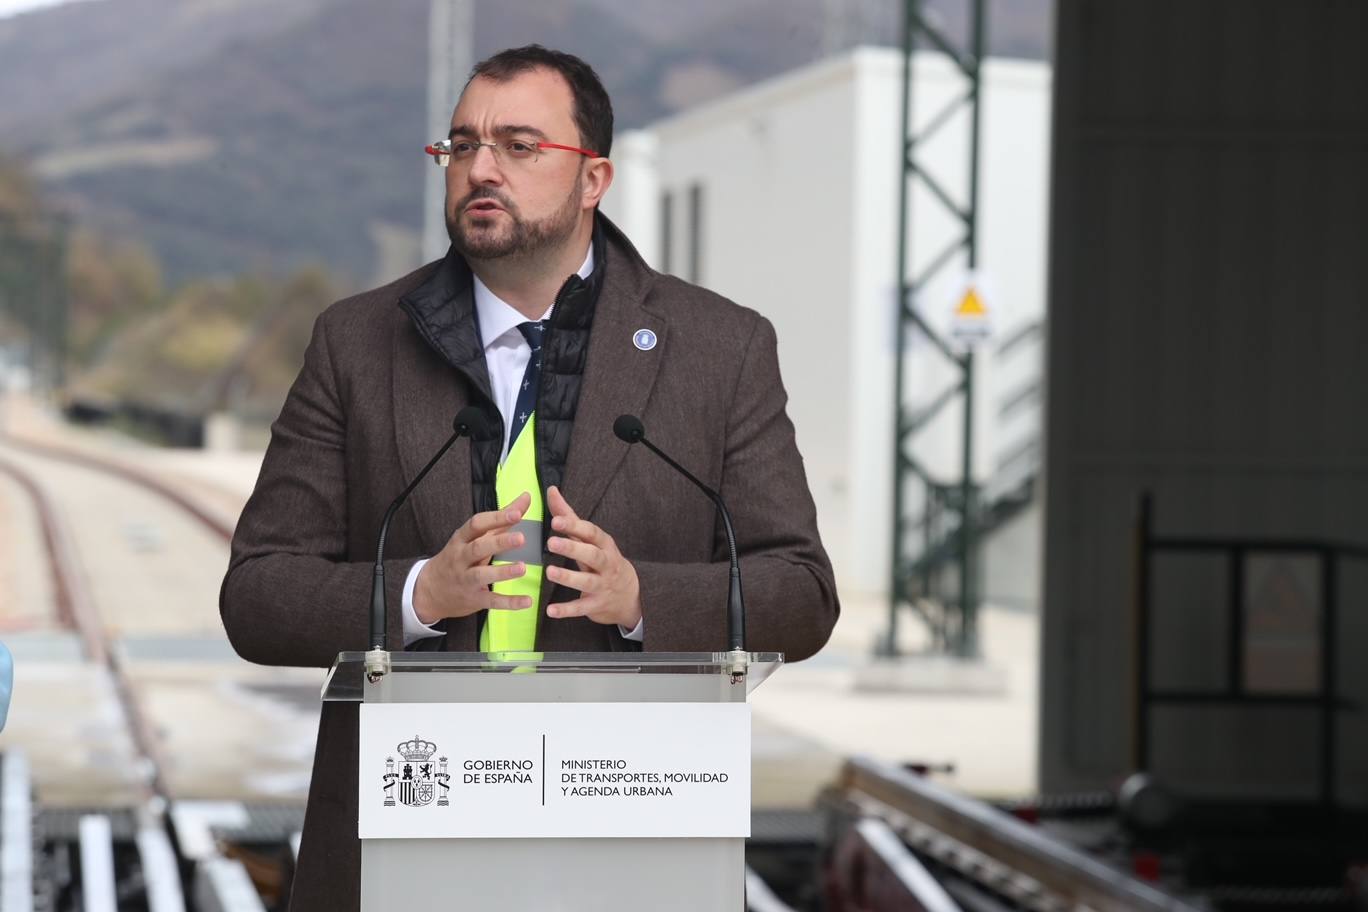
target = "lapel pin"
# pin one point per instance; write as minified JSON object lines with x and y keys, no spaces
{"x":644,"y":339}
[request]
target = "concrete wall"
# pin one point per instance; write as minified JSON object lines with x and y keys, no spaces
{"x":1207,"y":343}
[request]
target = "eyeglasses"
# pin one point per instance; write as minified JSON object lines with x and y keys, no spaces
{"x":521,"y":151}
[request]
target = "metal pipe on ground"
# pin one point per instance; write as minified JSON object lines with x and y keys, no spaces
{"x":16,"y":834}
{"x":1067,"y":873}
{"x":98,"y":890}
{"x":222,"y":885}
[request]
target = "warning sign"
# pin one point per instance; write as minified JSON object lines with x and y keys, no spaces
{"x":971,"y":322}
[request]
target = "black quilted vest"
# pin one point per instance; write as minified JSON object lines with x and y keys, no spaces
{"x":565,"y":348}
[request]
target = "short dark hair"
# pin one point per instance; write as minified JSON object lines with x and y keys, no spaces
{"x":593,"y":111}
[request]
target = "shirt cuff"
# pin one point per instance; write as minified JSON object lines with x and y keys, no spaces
{"x":637,"y":633}
{"x":414,"y":629}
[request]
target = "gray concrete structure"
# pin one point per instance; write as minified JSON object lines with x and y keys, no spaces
{"x":1207,"y":343}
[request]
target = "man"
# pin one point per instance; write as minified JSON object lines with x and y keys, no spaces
{"x":634,"y":558}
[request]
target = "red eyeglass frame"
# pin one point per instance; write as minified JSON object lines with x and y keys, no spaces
{"x":432,"y":149}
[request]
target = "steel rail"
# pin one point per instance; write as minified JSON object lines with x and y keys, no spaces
{"x":215,"y":524}
{"x":53,"y":544}
{"x":1080,"y":879}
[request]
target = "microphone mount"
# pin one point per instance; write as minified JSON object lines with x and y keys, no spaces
{"x":470,"y":421}
{"x":630,"y":430}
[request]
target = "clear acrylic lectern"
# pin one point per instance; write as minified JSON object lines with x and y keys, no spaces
{"x":573,"y":874}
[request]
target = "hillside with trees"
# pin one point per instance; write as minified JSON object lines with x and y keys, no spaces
{"x":186,"y":184}
{"x":237,"y":135}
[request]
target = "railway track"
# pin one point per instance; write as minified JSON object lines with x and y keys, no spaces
{"x":75,"y":606}
{"x":217,"y":525}
{"x":125,"y":675}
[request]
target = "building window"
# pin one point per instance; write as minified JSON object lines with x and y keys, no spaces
{"x":696,"y":233}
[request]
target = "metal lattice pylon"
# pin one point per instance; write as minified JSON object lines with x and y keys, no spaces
{"x":945,"y":530}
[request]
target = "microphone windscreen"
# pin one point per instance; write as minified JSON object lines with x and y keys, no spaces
{"x":629,"y":428}
{"x":471,"y":421}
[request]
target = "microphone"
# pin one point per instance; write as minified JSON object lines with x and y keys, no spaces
{"x":629,"y":429}
{"x":469,"y":422}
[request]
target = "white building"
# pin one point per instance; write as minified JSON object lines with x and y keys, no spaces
{"x":784,"y":197}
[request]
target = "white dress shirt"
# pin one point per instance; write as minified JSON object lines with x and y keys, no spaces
{"x":506,"y":356}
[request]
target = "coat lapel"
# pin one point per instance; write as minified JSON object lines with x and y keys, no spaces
{"x":427,"y":395}
{"x":618,"y":377}
{"x":438,"y":361}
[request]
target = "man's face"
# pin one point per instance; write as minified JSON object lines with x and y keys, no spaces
{"x":499,"y":207}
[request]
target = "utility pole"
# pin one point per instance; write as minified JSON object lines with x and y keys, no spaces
{"x":451,"y":54}
{"x":56,"y":317}
{"x":835,"y":27}
{"x":33,"y":290}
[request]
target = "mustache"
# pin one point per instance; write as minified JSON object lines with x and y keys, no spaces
{"x":488,"y":193}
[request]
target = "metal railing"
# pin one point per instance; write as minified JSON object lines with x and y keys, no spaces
{"x":1323,"y":699}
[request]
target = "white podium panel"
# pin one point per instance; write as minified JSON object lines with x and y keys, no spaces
{"x":538,"y":770}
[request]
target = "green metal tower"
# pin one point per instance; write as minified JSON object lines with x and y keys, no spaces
{"x":943,"y":535}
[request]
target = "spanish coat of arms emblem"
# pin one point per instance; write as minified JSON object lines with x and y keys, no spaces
{"x":416,"y":778}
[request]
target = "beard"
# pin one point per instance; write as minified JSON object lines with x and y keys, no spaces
{"x":484,"y":239}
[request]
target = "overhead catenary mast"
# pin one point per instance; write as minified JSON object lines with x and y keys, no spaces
{"x":450,"y":56}
{"x":835,"y":27}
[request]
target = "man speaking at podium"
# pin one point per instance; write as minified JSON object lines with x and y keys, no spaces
{"x":541,"y":533}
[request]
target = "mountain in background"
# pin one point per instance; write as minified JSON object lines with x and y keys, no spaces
{"x":235,"y":135}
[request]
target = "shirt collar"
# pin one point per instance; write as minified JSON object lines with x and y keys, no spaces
{"x":498,"y":317}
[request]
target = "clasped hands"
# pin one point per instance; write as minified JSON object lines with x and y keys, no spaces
{"x":456,"y":582}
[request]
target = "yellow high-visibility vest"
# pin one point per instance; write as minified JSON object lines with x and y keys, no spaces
{"x":517,"y":630}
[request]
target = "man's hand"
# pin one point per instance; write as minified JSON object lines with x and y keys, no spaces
{"x":456,"y":582}
{"x":609,"y":590}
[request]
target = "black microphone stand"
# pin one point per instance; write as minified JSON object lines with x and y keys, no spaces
{"x":629,"y":429}
{"x":468,"y":421}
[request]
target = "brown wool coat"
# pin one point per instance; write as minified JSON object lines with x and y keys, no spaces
{"x":373,"y":402}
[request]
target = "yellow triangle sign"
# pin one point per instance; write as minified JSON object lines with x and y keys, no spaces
{"x":971,"y":305}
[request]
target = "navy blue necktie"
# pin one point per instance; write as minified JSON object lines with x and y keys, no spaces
{"x":527,"y":393}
